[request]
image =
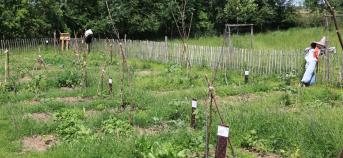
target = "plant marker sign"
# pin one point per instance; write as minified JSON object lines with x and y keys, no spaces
{"x":194,"y":107}
{"x":110,"y":84}
{"x":222,"y":139}
{"x":246,"y":76}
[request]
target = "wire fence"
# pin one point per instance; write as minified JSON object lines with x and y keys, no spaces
{"x":259,"y":62}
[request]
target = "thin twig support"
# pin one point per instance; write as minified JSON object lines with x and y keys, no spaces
{"x":212,"y":97}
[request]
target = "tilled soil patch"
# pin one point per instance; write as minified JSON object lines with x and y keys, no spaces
{"x":38,"y":143}
{"x":67,"y":89}
{"x":44,"y":117}
{"x":25,"y":79}
{"x":143,"y":73}
{"x":238,"y":98}
{"x":92,"y":113}
{"x":31,"y":102}
{"x":73,"y":99}
{"x":148,"y":131}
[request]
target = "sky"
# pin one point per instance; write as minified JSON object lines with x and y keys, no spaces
{"x":298,"y":2}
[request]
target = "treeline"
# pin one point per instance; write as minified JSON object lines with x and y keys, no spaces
{"x":142,"y":18}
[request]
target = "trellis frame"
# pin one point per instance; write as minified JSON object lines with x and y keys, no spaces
{"x":228,"y":32}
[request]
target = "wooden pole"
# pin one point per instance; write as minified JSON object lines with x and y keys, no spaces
{"x":251,"y":36}
{"x":124,"y":69}
{"x":84,"y":66}
{"x":111,"y":52}
{"x":7,"y":68}
{"x":332,"y":11}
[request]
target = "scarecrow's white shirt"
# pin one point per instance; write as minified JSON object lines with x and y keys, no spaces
{"x":309,"y":56}
{"x":88,"y":32}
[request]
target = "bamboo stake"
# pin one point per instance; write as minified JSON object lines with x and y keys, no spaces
{"x":7,"y":68}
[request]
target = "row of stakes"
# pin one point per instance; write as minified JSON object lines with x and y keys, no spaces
{"x":222,"y":132}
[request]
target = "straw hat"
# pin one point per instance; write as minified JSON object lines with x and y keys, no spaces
{"x":322,"y":42}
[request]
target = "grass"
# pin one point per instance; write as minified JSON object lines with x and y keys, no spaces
{"x":291,"y":39}
{"x":309,"y":126}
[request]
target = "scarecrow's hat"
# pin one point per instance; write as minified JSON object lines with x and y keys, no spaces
{"x":322,"y":42}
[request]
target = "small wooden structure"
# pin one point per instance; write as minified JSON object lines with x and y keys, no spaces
{"x":65,"y":38}
{"x":228,"y":32}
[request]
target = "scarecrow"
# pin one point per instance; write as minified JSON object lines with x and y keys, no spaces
{"x":88,"y":38}
{"x":311,"y":58}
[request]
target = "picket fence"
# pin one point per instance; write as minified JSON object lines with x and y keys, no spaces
{"x":258,"y":62}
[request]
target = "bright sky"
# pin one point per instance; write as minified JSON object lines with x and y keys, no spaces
{"x":298,"y":2}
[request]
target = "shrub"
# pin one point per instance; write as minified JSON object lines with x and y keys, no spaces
{"x":68,"y":79}
{"x":116,"y":126}
{"x":70,"y":126}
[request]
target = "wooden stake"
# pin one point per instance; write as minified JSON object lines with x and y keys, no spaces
{"x":193,"y":115}
{"x":332,"y":12}
{"x":111,"y":52}
{"x":7,"y":67}
{"x":124,"y":70}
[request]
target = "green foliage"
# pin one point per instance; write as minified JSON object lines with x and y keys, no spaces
{"x":8,"y":86}
{"x":286,"y":99}
{"x":173,"y":68}
{"x":37,"y":84}
{"x":117,"y":127}
{"x":70,"y":125}
{"x":69,"y":78}
{"x":138,"y":19}
{"x":186,"y":146}
{"x":251,"y":140}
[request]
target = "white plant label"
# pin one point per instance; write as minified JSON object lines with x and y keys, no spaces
{"x":194,"y":104}
{"x":110,"y":81}
{"x":246,"y":73}
{"x":223,"y":131}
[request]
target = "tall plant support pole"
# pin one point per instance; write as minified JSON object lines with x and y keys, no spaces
{"x":111,"y":52}
{"x":7,"y":67}
{"x":84,"y":67}
{"x":251,"y":35}
{"x":208,"y":123}
{"x":55,"y":40}
{"x":124,"y":69}
{"x":212,"y":97}
{"x":332,"y":12}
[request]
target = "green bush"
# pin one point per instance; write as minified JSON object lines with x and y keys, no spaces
{"x":70,"y":125}
{"x":68,"y":78}
{"x":116,"y":126}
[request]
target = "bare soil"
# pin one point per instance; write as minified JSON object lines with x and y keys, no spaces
{"x":238,"y":98}
{"x":261,"y":154}
{"x":68,"y":89}
{"x":31,"y":102}
{"x":73,"y":99}
{"x":233,"y":100}
{"x":92,"y":113}
{"x":147,"y":131}
{"x":38,"y":143}
{"x":25,"y":79}
{"x":40,"y":116}
{"x":143,"y":73}
{"x":161,"y":93}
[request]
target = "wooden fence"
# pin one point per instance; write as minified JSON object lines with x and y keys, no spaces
{"x":258,"y":62}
